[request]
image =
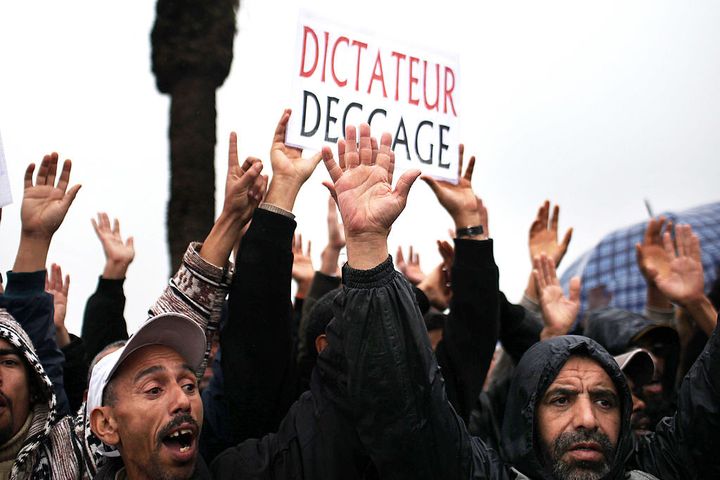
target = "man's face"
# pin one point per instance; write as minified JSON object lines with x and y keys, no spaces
{"x":14,"y":391}
{"x":158,"y":412}
{"x":578,"y":421}
{"x":639,"y":421}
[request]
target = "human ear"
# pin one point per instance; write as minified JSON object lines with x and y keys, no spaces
{"x":320,"y":343}
{"x":104,"y":426}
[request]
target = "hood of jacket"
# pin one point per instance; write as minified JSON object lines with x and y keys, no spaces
{"x":533,"y":375}
{"x":44,"y":407}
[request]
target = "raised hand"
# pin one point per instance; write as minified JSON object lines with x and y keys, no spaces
{"x":362,"y":187}
{"x":118,"y":254}
{"x":45,"y":204}
{"x":55,"y":286}
{"x":543,"y":237}
{"x":43,"y":210}
{"x":559,"y":312}
{"x":410,"y":267}
{"x":651,"y":253}
{"x":244,"y":186}
{"x":244,"y":190}
{"x":436,"y":285}
{"x":302,"y":268}
{"x":682,"y":279}
{"x":290,"y":169}
{"x":459,"y":200}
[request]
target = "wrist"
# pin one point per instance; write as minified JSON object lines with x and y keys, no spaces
{"x":283,"y":192}
{"x":548,"y":332}
{"x":329,"y":261}
{"x":32,"y":253}
{"x":62,"y":337}
{"x":221,"y":239}
{"x":115,"y":270}
{"x":365,"y":251}
{"x":466,"y":219}
{"x":655,"y":298}
{"x":303,"y":287}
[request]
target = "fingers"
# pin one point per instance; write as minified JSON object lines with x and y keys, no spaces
{"x":279,"y":136}
{"x":382,"y":158}
{"x":116,"y":227}
{"x":555,"y":218}
{"x":333,"y":169}
{"x":461,"y":152}
{"x":64,"y":175}
{"x":233,"y":152}
{"x":341,"y":153}
{"x":52,"y":170}
{"x":130,"y":243}
{"x":43,"y":171}
{"x":391,"y":168}
{"x":406,"y":180}
{"x":365,"y":145}
{"x":309,"y":248}
{"x":352,"y":157}
{"x":399,"y":258}
{"x":668,"y":244}
{"x":470,"y":169}
{"x":432,"y":184}
{"x":29,"y":175}
{"x":375,"y":149}
{"x":543,"y":213}
{"x":566,"y":240}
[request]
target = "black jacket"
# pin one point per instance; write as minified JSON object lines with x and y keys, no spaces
{"x":409,"y":429}
{"x":471,"y":329}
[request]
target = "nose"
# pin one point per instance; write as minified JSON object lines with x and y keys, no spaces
{"x":180,"y":402}
{"x":584,"y":414}
{"x":638,"y":404}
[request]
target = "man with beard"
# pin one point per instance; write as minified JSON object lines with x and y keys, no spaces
{"x":569,"y":406}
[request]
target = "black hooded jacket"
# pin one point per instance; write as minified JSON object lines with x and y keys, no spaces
{"x":407,"y":426}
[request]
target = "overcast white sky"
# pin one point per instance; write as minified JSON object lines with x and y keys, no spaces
{"x":593,"y":105}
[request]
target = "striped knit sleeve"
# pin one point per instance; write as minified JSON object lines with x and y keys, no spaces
{"x":197,"y":290}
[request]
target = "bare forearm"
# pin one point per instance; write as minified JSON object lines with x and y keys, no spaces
{"x":366,"y":251}
{"x":282,"y":193}
{"x":221,"y":240}
{"x":704,"y":314}
{"x":32,"y":253}
{"x":656,"y":300}
{"x":115,"y":270}
{"x":329,"y":258}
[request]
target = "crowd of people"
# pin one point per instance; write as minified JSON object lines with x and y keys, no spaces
{"x":374,"y":369}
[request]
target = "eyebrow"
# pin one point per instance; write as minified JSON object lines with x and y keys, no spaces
{"x":560,"y":391}
{"x":9,"y":351}
{"x":159,"y":368}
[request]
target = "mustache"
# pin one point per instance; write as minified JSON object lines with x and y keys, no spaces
{"x":176,"y":422}
{"x":569,"y":439}
{"x":5,"y":401}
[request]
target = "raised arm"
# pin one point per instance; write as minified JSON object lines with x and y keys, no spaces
{"x":471,"y":331}
{"x":200,"y":286}
{"x":104,"y":320}
{"x":683,"y":280}
{"x":543,"y":238}
{"x":258,"y":334}
{"x":46,"y":201}
{"x":394,"y":384}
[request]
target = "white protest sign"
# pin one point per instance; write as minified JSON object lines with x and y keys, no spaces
{"x":5,"y":194}
{"x":344,"y":77}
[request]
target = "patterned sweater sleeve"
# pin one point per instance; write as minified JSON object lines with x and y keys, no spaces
{"x":197,"y":290}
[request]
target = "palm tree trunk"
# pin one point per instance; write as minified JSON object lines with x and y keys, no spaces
{"x":191,"y":208}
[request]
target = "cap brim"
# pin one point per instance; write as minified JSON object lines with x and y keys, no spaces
{"x":638,"y":365}
{"x":172,"y":330}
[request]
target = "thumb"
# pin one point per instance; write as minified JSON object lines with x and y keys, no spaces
{"x":331,"y":189}
{"x":71,"y":194}
{"x":402,"y":189}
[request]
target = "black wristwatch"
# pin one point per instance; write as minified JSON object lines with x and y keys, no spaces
{"x":469,"y":231}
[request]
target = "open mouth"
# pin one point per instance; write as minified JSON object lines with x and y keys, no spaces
{"x":181,"y":441}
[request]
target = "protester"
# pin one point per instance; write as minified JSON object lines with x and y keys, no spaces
{"x":130,"y":419}
{"x":569,"y":405}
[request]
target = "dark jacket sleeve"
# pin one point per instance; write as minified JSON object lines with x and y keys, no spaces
{"x":256,"y":343}
{"x":104,"y":322}
{"x":75,"y":373}
{"x":519,"y":328}
{"x":394,"y":384}
{"x":686,"y":445}
{"x":471,"y":330}
{"x":26,"y":300}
